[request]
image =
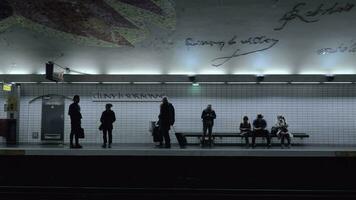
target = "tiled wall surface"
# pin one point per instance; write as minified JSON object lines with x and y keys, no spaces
{"x":327,"y":112}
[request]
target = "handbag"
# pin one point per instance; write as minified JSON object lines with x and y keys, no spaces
{"x":81,"y":133}
{"x":101,"y":127}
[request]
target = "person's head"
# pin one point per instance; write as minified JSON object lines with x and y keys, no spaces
{"x":164,"y":100}
{"x":209,"y":107}
{"x":245,"y":119}
{"x":108,"y":106}
{"x":280,"y":118}
{"x":259,"y":116}
{"x":76,"y":98}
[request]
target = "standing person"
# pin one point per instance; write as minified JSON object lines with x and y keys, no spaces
{"x":259,"y":129}
{"x":208,"y":115}
{"x":107,"y":119}
{"x":75,"y":119}
{"x":282,"y":130}
{"x":245,"y":129}
{"x":166,"y":120}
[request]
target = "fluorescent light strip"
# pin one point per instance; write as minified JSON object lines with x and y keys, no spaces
{"x":241,"y":83}
{"x":116,"y":82}
{"x":216,"y":83}
{"x":305,"y":82}
{"x":338,"y":82}
{"x":178,"y":82}
{"x":143,"y":83}
{"x":274,"y":82}
{"x":84,"y":82}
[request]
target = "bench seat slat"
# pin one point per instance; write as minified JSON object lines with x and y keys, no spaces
{"x":199,"y":134}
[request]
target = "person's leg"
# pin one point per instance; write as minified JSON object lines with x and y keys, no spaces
{"x":167,"y":139}
{"x":71,"y":138}
{"x":210,"y":129}
{"x":77,"y":140}
{"x":205,"y":129}
{"x":254,"y":138}
{"x":288,"y":139}
{"x":268,"y":137}
{"x":110,"y":137}
{"x":105,"y":140}
{"x":282,"y":139}
{"x":246,"y":138}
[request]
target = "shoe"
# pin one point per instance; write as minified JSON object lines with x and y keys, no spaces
{"x":104,"y":146}
{"x":289,"y":146}
{"x":167,"y":146}
{"x":253,"y":146}
{"x":282,"y":146}
{"x":269,"y":145}
{"x":71,"y":146}
{"x":109,"y":146}
{"x":78,"y":146}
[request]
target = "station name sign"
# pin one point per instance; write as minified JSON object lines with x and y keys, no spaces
{"x":127,"y":97}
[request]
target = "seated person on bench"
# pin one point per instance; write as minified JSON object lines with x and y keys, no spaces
{"x":245,"y":129}
{"x":282,"y":132}
{"x":259,"y":129}
{"x":208,"y":115}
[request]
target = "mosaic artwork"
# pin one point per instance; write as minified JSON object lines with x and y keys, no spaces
{"x":109,"y":23}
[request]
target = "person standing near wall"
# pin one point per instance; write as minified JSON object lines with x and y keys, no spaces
{"x":107,"y":119}
{"x":166,"y":120}
{"x":208,"y":115}
{"x":259,"y":129}
{"x":75,"y":119}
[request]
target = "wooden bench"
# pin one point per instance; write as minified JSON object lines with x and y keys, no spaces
{"x":235,"y":135}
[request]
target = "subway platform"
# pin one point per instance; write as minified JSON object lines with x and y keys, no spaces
{"x":308,"y":150}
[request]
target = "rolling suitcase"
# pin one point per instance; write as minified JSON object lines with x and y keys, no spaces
{"x":182,"y":141}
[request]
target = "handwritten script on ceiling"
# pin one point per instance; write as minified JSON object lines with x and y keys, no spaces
{"x":241,"y":47}
{"x":302,"y":13}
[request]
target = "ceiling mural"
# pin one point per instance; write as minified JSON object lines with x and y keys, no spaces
{"x":92,"y":22}
{"x":179,"y":36}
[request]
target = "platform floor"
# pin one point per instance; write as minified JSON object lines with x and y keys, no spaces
{"x":192,"y":150}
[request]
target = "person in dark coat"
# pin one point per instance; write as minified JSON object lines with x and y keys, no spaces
{"x":107,"y":119}
{"x":208,"y":115}
{"x":166,"y":119}
{"x":245,"y":129}
{"x":259,"y":129}
{"x":75,"y":119}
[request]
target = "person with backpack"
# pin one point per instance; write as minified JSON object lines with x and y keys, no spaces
{"x":166,"y":119}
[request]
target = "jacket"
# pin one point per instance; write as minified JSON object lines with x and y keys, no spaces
{"x":166,"y":116}
{"x":208,"y":116}
{"x":107,"y":119}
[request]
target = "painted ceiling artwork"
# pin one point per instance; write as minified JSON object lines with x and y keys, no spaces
{"x":179,"y":36}
{"x":91,"y":22}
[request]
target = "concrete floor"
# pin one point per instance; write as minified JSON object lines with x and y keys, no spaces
{"x":190,"y":150}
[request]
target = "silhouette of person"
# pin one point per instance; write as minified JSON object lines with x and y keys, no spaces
{"x":245,"y":129}
{"x":259,"y":129}
{"x":208,"y":115}
{"x":166,"y":119}
{"x":75,"y":119}
{"x":107,"y":119}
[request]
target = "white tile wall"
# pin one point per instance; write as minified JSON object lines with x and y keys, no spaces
{"x":325,"y":112}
